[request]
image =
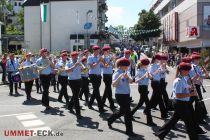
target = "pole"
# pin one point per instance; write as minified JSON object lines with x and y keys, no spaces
{"x":87,"y":30}
{"x":77,"y":30}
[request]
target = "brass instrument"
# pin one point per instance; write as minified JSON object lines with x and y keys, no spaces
{"x":200,"y":78}
{"x":46,"y":64}
{"x":61,"y":69}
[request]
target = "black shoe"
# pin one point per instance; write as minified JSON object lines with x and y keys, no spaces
{"x":159,"y":138}
{"x":10,"y":94}
{"x":151,"y":124}
{"x":113,"y":107}
{"x":102,"y":111}
{"x":203,"y":122}
{"x":131,"y":134}
{"x":164,"y":116}
{"x":109,"y":124}
{"x":90,"y":107}
{"x":60,"y":100}
{"x":79,"y":117}
{"x":201,"y":132}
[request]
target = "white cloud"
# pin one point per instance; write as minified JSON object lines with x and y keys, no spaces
{"x":115,"y":15}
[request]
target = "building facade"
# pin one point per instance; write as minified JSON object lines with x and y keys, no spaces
{"x":68,"y":24}
{"x":185,"y":23}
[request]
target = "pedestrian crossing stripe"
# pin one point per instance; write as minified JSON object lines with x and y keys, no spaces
{"x":26,"y":117}
{"x":32,"y":123}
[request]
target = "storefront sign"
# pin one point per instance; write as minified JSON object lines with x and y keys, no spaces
{"x":192,"y":32}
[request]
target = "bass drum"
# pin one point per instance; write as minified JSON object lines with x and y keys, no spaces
{"x":15,"y":77}
{"x":28,"y":74}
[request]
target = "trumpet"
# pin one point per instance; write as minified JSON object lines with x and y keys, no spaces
{"x":25,"y":67}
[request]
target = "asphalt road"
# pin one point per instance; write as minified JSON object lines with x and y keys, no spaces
{"x":15,"y":114}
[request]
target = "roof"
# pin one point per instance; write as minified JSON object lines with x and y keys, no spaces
{"x":37,"y":2}
{"x":31,"y":3}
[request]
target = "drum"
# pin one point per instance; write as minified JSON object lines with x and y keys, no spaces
{"x":28,"y":74}
{"x":15,"y":77}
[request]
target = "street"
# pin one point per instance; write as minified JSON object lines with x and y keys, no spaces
{"x":15,"y":114}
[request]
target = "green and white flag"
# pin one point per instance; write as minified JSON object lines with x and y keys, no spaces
{"x":44,"y":12}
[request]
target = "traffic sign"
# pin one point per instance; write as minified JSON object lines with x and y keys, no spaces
{"x":87,"y":25}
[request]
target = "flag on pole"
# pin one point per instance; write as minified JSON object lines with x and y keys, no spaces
{"x":206,"y":61}
{"x":44,"y":12}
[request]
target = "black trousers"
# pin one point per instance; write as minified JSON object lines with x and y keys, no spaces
{"x":3,"y":74}
{"x":28,"y":88}
{"x":75,"y":88}
{"x":96,"y":82}
{"x":45,"y":81}
{"x":107,"y":78}
{"x":85,"y":88}
{"x":133,"y":72}
{"x":124,"y":102}
{"x":38,"y":85}
{"x":164,"y":92}
{"x":182,"y":111}
{"x":200,"y":108}
{"x":63,"y":80}
{"x":11,"y":84}
{"x":143,"y":91}
{"x":157,"y":98}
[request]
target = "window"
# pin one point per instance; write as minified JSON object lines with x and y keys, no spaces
{"x":20,"y":3}
{"x":15,"y":3}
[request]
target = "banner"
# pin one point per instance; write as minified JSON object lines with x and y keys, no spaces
{"x":206,"y":18}
{"x":43,"y":12}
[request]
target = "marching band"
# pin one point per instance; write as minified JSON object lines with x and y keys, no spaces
{"x":79,"y":70}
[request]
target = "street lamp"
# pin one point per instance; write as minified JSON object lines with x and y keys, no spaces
{"x":87,"y":37}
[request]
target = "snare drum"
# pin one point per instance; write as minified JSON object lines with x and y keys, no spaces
{"x":15,"y":77}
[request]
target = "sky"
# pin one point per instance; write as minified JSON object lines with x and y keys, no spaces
{"x":125,"y":12}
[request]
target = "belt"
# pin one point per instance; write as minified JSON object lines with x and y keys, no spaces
{"x":94,"y":74}
{"x":44,"y":74}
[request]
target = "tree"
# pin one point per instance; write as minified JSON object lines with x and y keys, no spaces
{"x":12,"y":30}
{"x":20,"y":17}
{"x":147,"y":21}
{"x":121,"y":28}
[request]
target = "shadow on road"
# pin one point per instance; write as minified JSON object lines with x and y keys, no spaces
{"x":87,"y":122}
{"x":33,"y":101}
{"x":53,"y":111}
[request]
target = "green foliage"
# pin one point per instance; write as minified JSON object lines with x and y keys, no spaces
{"x":204,"y":54}
{"x":12,"y":30}
{"x":121,"y":28}
{"x":20,"y":17}
{"x":147,"y":21}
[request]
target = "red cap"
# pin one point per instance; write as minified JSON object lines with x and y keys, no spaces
{"x":185,"y":66}
{"x":43,"y":50}
{"x":196,"y":56}
{"x":187,"y":59}
{"x":197,"y":53}
{"x":158,"y":56}
{"x":85,"y":51}
{"x":84,"y":59}
{"x":164,"y":57}
{"x":127,"y":52}
{"x":64,"y":54}
{"x":106,"y":48}
{"x":74,"y":53}
{"x":96,"y":47}
{"x":145,"y":61}
{"x":123,"y":62}
{"x":64,"y":51}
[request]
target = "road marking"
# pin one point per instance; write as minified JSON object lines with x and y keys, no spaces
{"x":9,"y":115}
{"x":32,"y":123}
{"x":26,"y":117}
{"x":206,"y":85}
